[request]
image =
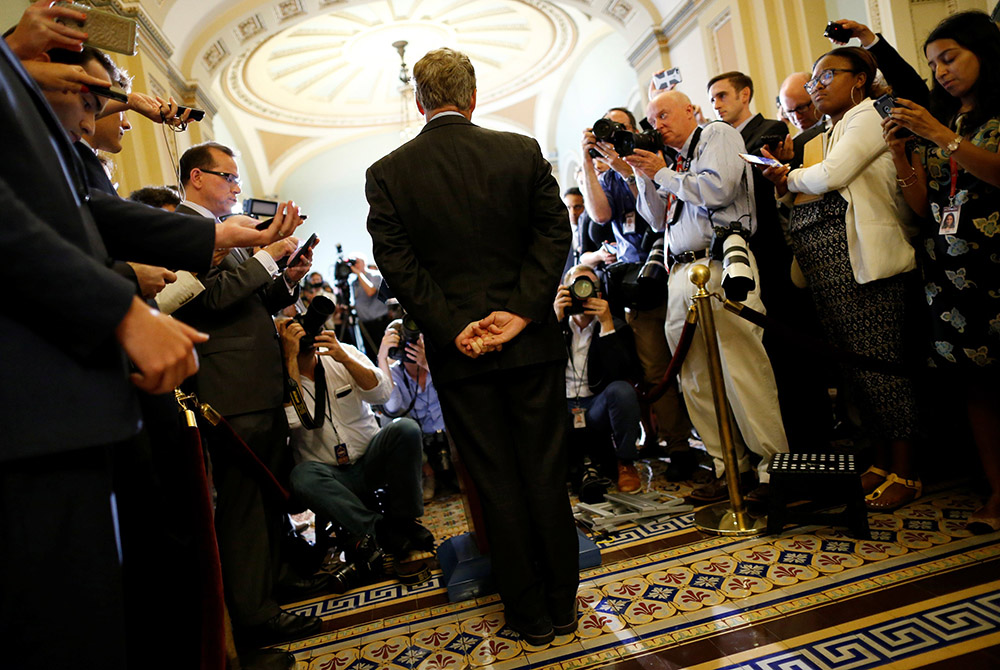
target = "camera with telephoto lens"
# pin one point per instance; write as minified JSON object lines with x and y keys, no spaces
{"x":364,"y":562}
{"x":604,"y":130}
{"x":582,"y":289}
{"x":653,"y":275}
{"x":312,"y":320}
{"x":409,"y":333}
{"x":729,"y":246}
{"x":342,"y":268}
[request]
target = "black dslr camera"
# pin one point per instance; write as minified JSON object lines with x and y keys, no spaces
{"x":342,"y":268}
{"x":312,"y":320}
{"x":625,"y":141}
{"x":582,"y":289}
{"x":409,"y":333}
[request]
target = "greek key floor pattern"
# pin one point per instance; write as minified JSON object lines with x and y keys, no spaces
{"x":923,"y":592}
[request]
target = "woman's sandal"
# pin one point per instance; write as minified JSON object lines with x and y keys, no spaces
{"x":878,"y":472}
{"x":875,"y":501}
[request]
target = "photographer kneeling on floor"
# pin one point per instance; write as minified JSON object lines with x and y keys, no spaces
{"x":343,"y":458}
{"x":598,"y":394}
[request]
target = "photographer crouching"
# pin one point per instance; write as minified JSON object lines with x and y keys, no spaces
{"x":342,"y":457}
{"x":599,"y":351}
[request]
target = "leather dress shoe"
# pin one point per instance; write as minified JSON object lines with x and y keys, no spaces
{"x":302,"y":589}
{"x":537,"y":632}
{"x":267,"y":659}
{"x":628,"y":478}
{"x":285,"y":626}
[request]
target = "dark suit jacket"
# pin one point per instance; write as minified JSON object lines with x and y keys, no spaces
{"x":241,"y":364}
{"x":774,"y":258}
{"x":609,"y":358}
{"x":465,"y":221}
{"x":93,"y":170}
{"x":64,"y":383}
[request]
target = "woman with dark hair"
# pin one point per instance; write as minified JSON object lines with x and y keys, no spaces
{"x":956,"y":174}
{"x":848,"y":232}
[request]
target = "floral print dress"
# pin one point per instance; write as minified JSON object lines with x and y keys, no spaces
{"x":962,"y":269}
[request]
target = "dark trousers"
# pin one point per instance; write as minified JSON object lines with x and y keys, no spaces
{"x":614,"y":410}
{"x":508,"y":427}
{"x":248,"y":524}
{"x":60,"y":568}
{"x":392,"y":460}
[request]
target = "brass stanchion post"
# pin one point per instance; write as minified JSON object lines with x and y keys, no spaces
{"x":721,"y":518}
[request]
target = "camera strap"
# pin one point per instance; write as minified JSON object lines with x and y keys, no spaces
{"x":295,"y":392}
{"x":681,"y":164}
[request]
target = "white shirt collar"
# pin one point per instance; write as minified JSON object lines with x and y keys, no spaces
{"x":200,"y":209}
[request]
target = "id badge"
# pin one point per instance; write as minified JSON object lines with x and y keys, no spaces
{"x":579,"y":419}
{"x":629,"y":225}
{"x":340,"y":451}
{"x":949,"y":220}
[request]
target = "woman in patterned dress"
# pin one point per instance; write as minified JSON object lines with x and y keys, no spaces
{"x":848,"y":233}
{"x":956,"y":174}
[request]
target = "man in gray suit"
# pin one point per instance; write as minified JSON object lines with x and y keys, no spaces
{"x":470,"y":234}
{"x":242,"y":377}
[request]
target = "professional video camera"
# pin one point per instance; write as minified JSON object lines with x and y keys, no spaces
{"x":409,"y":333}
{"x":625,"y":141}
{"x":729,"y":246}
{"x":582,"y":289}
{"x":257,"y":208}
{"x":312,"y":320}
{"x":342,"y":268}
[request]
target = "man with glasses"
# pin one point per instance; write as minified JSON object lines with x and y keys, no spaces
{"x":798,"y":107}
{"x":242,"y":377}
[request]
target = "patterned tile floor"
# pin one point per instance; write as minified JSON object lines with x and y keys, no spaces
{"x":922,"y":592}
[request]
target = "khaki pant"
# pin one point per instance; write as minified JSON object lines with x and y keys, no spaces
{"x":749,"y":379}
{"x":672,"y":420}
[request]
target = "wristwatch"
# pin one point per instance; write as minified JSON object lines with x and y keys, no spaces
{"x":952,"y":146}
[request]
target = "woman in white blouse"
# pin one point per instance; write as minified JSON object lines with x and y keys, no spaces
{"x":849,"y":234}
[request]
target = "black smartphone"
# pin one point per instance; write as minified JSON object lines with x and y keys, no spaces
{"x":837,"y":32}
{"x":195,"y":115}
{"x":109,"y":93}
{"x":310,"y":243}
{"x":884,"y":107}
{"x":266,"y":223}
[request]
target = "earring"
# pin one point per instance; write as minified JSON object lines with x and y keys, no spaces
{"x":852,"y":96}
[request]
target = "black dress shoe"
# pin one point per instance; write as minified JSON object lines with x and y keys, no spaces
{"x":267,"y":659}
{"x":537,"y":632}
{"x":285,"y":626}
{"x":419,"y":536}
{"x":301,"y":589}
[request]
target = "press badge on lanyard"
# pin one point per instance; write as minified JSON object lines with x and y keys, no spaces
{"x":579,"y":421}
{"x":951,"y":213}
{"x":629,"y":226}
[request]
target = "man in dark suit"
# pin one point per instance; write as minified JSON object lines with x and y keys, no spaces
{"x":801,"y":396}
{"x":65,"y":392}
{"x":469,"y":232}
{"x":242,"y":378}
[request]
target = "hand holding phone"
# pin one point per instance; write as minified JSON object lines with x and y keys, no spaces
{"x":291,"y":262}
{"x":668,"y":79}
{"x":837,"y":32}
{"x":884,"y":107}
{"x":761,"y":160}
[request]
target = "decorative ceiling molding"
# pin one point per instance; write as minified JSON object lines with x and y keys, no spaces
{"x":288,"y":9}
{"x":620,"y":10}
{"x":330,"y":70}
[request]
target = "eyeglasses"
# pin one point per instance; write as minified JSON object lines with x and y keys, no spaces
{"x":824,"y":77}
{"x":228,"y":176}
{"x":801,"y":109}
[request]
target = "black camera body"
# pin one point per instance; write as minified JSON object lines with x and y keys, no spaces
{"x":582,"y":289}
{"x":312,"y":320}
{"x":342,"y":268}
{"x":409,"y":333}
{"x":837,"y":32}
